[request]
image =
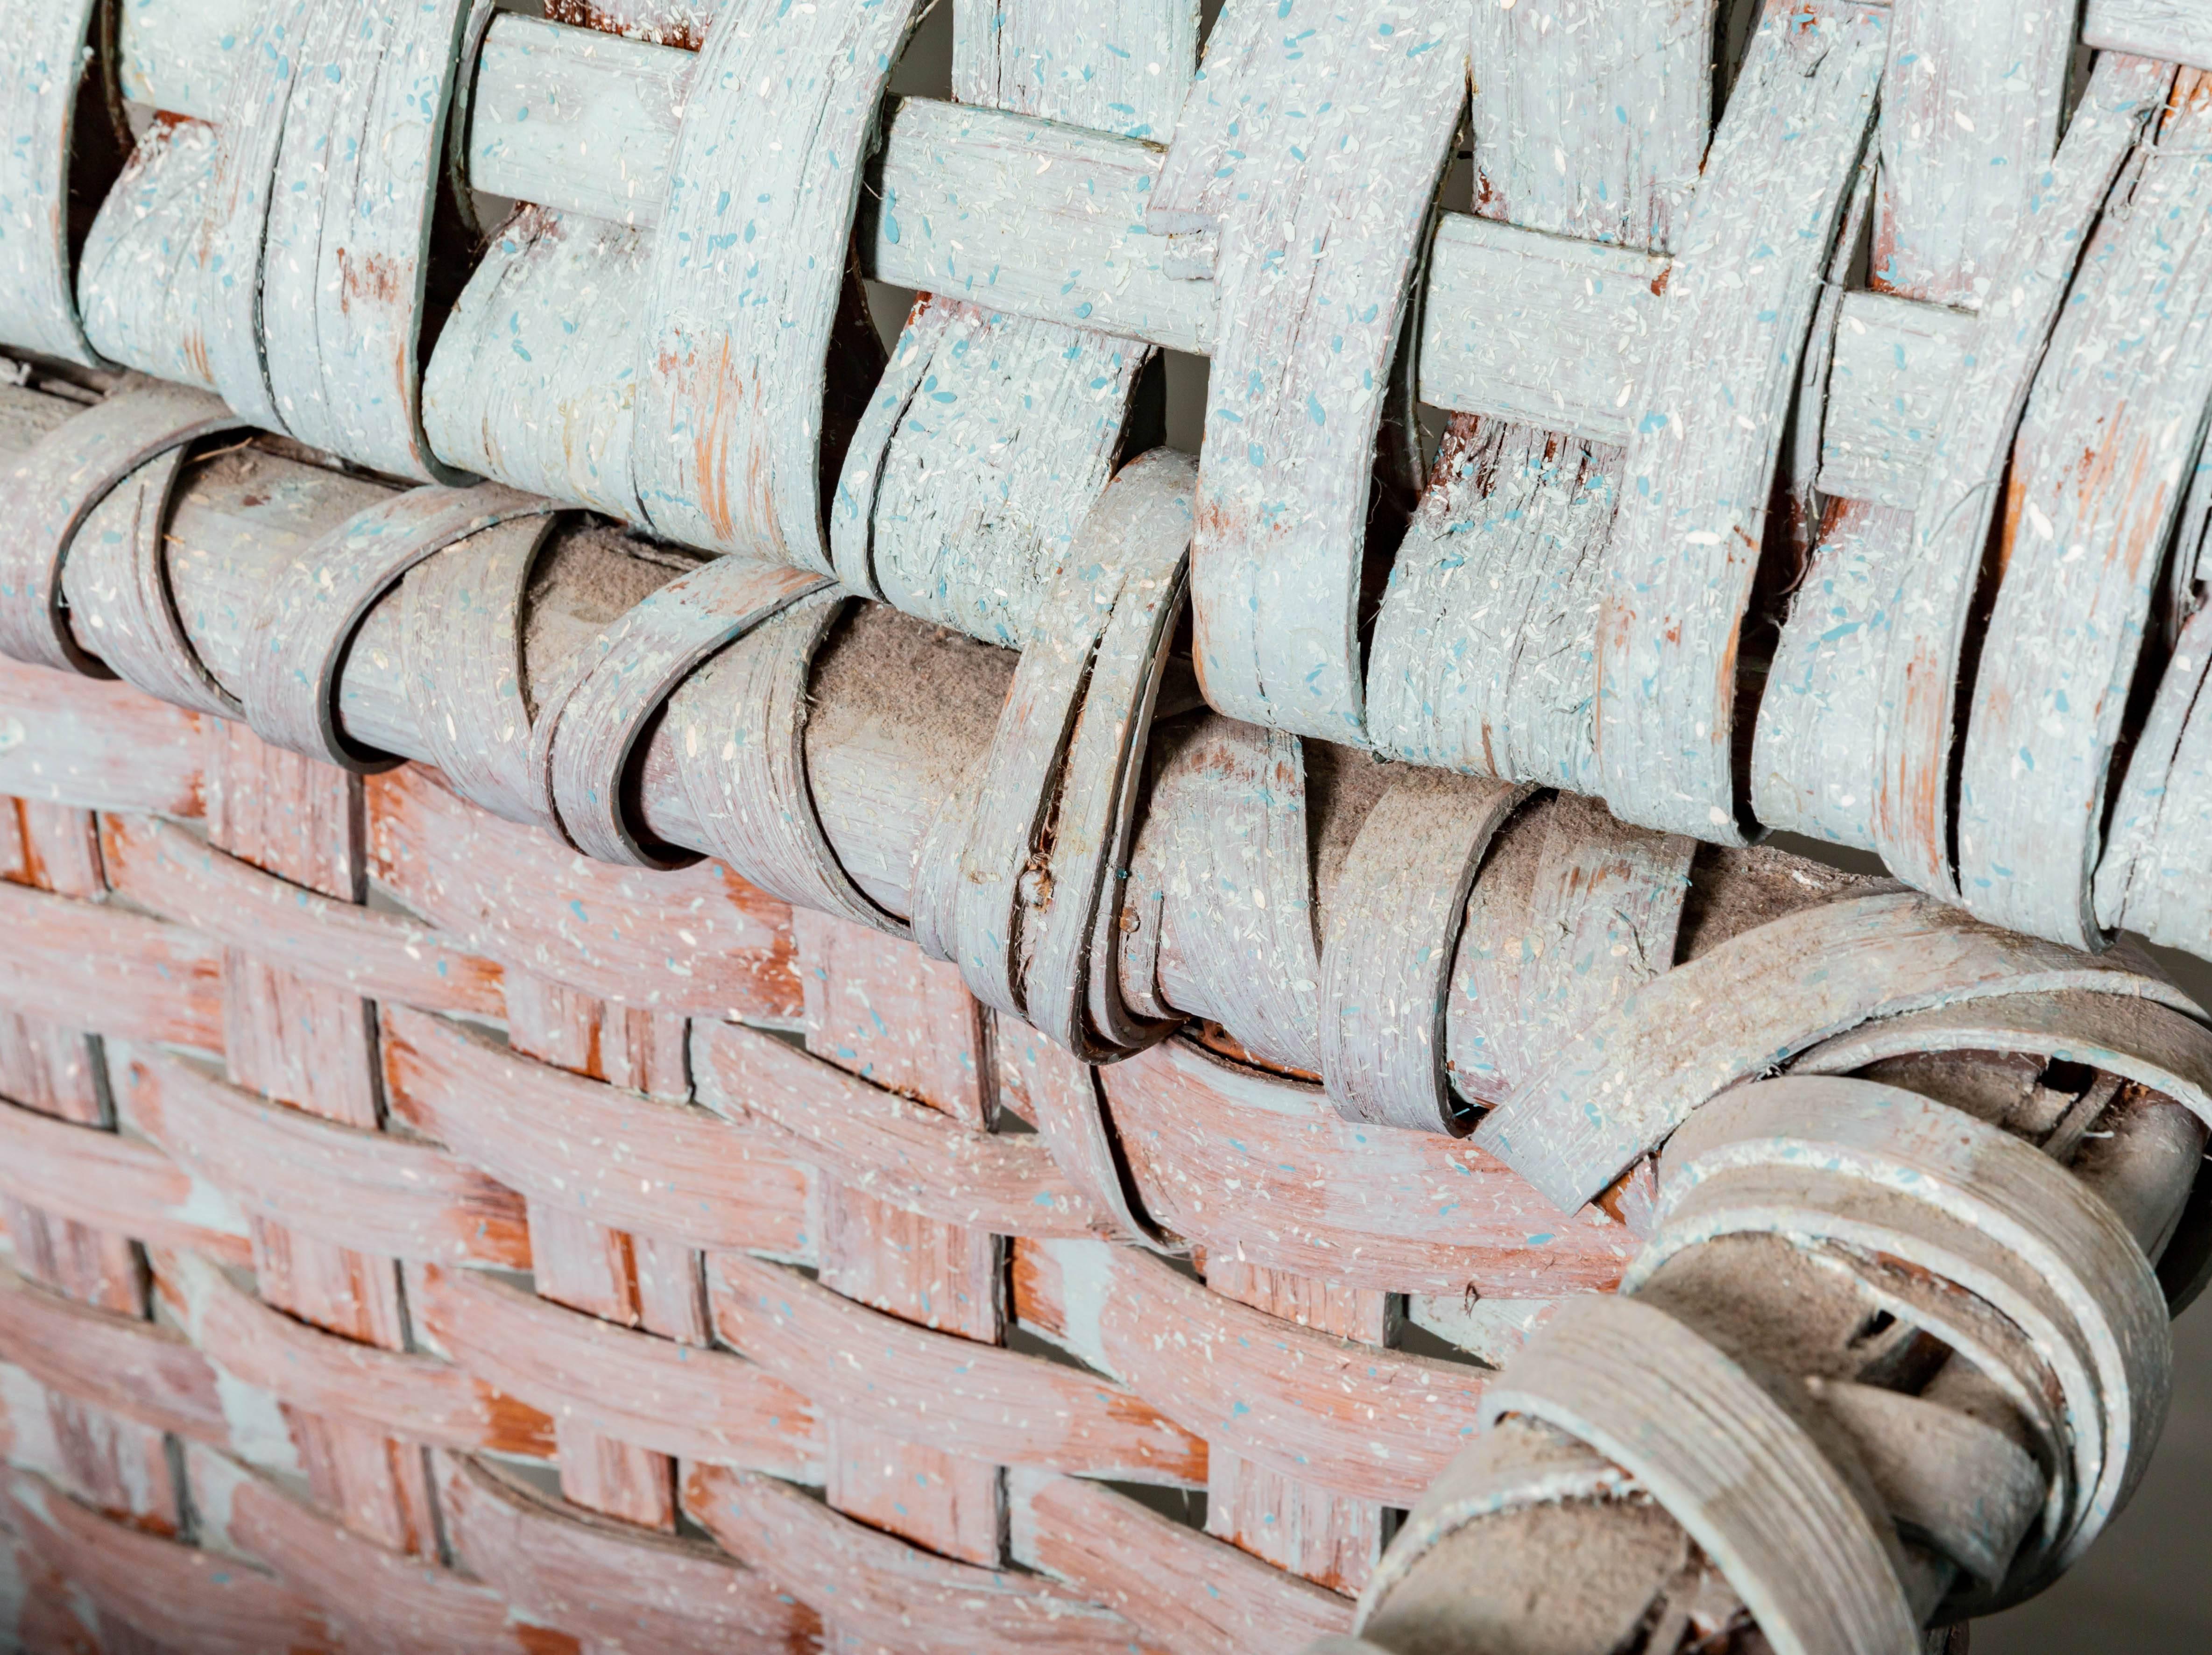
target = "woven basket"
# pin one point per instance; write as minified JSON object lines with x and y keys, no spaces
{"x":671,"y":980}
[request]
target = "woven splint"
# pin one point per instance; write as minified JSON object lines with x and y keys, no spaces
{"x":671,"y":980}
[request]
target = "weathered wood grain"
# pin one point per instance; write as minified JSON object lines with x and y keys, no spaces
{"x":1226,"y":815}
{"x":309,"y":614}
{"x":109,"y":972}
{"x":343,"y":242}
{"x":2162,"y":820}
{"x":733,"y":435}
{"x":43,"y":65}
{"x":1320,"y":241}
{"x":53,"y":487}
{"x":1930,"y":595}
{"x":1257,"y":1165}
{"x":167,"y":872}
{"x":998,"y":1406}
{"x":1122,"y":69}
{"x":1190,"y":1594}
{"x":103,"y":746}
{"x":361,"y":1189}
{"x":1393,"y":936}
{"x":619,"y":1586}
{"x":1267,"y":1389}
{"x":1696,"y":474}
{"x":900,"y":1152}
{"x":740,"y":723}
{"x":879,"y":1589}
{"x":699,"y":939}
{"x":462,"y":628}
{"x":598,"y":1152}
{"x":587,"y":733}
{"x":1570,"y":914}
{"x":374,"y":1596}
{"x":193,"y":1601}
{"x":410,"y":1394}
{"x":2174,"y":30}
{"x":1816,"y":1567}
{"x":2073,"y":610}
{"x":112,"y":1182}
{"x":1753,"y":1002}
{"x":674,"y":1398}
{"x":139,"y":280}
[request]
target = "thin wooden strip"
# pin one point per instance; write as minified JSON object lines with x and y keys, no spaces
{"x":1371,"y":1423}
{"x":1321,"y":220}
{"x":2161,"y":829}
{"x":622,"y":1159}
{"x":1698,"y":472}
{"x":1123,"y":69}
{"x":417,"y":1397}
{"x":878,"y":1588}
{"x":346,"y":245}
{"x":1753,"y":1002}
{"x":2141,"y":1041}
{"x":309,"y":613}
{"x":1071,"y":988}
{"x":1394,"y":929}
{"x":1969,"y":1203}
{"x":2127,"y":382}
{"x":95,"y":745}
{"x":1709,"y":1443}
{"x":512,"y":390}
{"x":1193,"y":1595}
{"x":194,"y":1602}
{"x":138,"y":279}
{"x":732,"y":431}
{"x":53,"y":487}
{"x":381,"y":956}
{"x":697,"y":1402}
{"x":998,"y":1406}
{"x":590,"y":1576}
{"x":1007,"y":432}
{"x":121,"y":1363}
{"x":1572,"y":911}
{"x":42,"y":64}
{"x":1483,"y":653}
{"x":1250,"y":1164}
{"x":1930,"y":594}
{"x":120,"y":1185}
{"x":902,"y":1154}
{"x":698,"y":941}
{"x":362,"y":1189}
{"x":1893,"y":359}
{"x":101,"y":969}
{"x":115,"y":583}
{"x":741,"y":726}
{"x":1225,"y":815}
{"x":586,"y":737}
{"x":1068,"y":1109}
{"x":229,"y":242}
{"x":2175,"y":31}
{"x":378,"y":1596}
{"x":462,"y":628}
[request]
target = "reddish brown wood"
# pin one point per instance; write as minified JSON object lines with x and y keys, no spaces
{"x":611,"y":1586}
{"x":114,"y":1183}
{"x":899,"y":1152}
{"x":365,"y":1190}
{"x":598,"y":1150}
{"x":699,"y":939}
{"x":1244,"y":1161}
{"x":886,"y":1594}
{"x":378,"y":956}
{"x":193,"y":1602}
{"x":656,"y":1393}
{"x":878,"y":1007}
{"x":994,"y":1405}
{"x":89,"y":966}
{"x":92,"y":742}
{"x":418,"y":1396}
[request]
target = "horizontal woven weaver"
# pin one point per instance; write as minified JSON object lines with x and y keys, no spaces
{"x":674,"y":979}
